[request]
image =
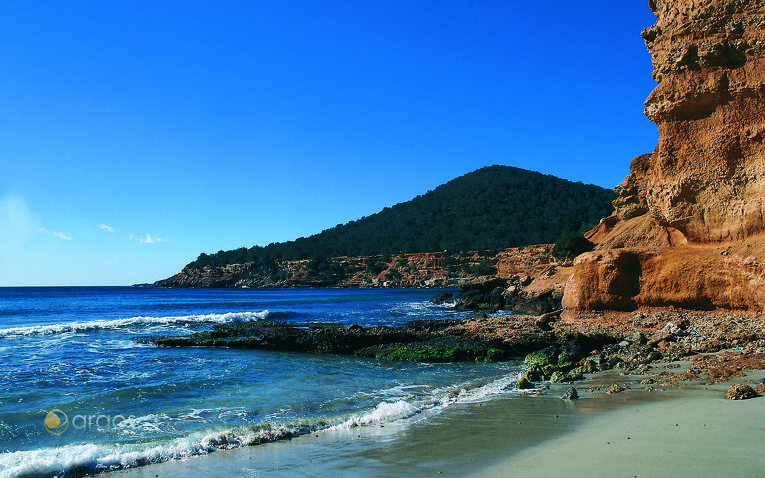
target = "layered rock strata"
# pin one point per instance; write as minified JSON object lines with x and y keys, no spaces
{"x":702,"y":188}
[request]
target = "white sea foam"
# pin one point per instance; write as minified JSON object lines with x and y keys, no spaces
{"x":470,"y":394}
{"x":384,"y":412}
{"x":495,"y":387}
{"x":67,"y":327}
{"x":440,"y":400}
{"x":74,"y":460}
{"x":78,"y":460}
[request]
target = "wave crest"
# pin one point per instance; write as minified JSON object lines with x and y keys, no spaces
{"x":67,"y":327}
{"x":79,"y":460}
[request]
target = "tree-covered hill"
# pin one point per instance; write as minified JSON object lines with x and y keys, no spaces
{"x":489,"y":209}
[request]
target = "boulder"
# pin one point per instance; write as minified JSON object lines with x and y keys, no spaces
{"x":672,"y":328}
{"x":542,"y":358}
{"x":653,"y":356}
{"x":686,"y":277}
{"x":571,"y":394}
{"x":740,"y":391}
{"x":523,"y":383}
{"x":442,"y":298}
{"x":587,"y":366}
{"x":483,"y":284}
{"x":612,"y":389}
{"x":636,"y":338}
{"x":558,"y":377}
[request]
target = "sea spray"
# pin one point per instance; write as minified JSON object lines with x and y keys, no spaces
{"x":94,"y":325}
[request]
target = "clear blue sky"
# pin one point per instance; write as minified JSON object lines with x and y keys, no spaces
{"x":135,"y":135}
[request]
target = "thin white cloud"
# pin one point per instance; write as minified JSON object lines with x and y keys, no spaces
{"x":62,"y":236}
{"x":148,"y":239}
{"x":58,"y":234}
{"x":106,"y":228}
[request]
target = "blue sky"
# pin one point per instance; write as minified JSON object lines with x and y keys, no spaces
{"x":135,"y":135}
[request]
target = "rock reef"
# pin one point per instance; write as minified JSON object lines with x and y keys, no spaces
{"x":555,"y":349}
{"x":688,"y":227}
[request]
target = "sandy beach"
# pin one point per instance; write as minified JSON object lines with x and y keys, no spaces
{"x":691,"y":430}
{"x":694,"y":433}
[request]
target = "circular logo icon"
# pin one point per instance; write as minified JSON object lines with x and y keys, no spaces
{"x":56,"y":422}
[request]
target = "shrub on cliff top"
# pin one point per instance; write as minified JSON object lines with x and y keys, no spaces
{"x":483,"y":268}
{"x":571,"y":245}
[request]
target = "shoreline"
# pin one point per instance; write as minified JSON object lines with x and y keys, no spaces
{"x":681,"y":430}
{"x":695,"y":432}
{"x":677,"y":363}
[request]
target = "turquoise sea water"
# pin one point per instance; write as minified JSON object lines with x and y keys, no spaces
{"x":79,"y":394}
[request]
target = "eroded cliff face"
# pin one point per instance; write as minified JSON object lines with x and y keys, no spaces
{"x":706,"y":178}
{"x":703,"y":186}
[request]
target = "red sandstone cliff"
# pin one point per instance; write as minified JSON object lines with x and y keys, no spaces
{"x":688,"y":227}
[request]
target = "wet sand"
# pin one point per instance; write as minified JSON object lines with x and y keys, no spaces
{"x":690,"y":430}
{"x":696,"y":433}
{"x":456,"y":442}
{"x":522,"y":436}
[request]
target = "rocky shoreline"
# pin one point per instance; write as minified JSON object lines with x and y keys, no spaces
{"x":718,"y":345}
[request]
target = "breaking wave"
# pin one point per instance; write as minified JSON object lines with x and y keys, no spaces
{"x":133,"y":322}
{"x":83,"y":459}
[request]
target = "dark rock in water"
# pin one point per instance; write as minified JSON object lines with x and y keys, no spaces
{"x":442,"y":298}
{"x":483,"y":284}
{"x":480,"y":315}
{"x":558,"y":377}
{"x":740,"y":391}
{"x":523,"y":383}
{"x":588,"y":366}
{"x":497,"y":293}
{"x":536,"y":304}
{"x":569,"y":353}
{"x":762,"y":381}
{"x":471,"y":300}
{"x":534,"y":373}
{"x":493,"y":338}
{"x":484,"y":293}
{"x":418,"y":340}
{"x":571,"y":394}
{"x":546,"y":356}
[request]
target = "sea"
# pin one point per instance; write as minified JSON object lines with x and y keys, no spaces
{"x":81,"y":393}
